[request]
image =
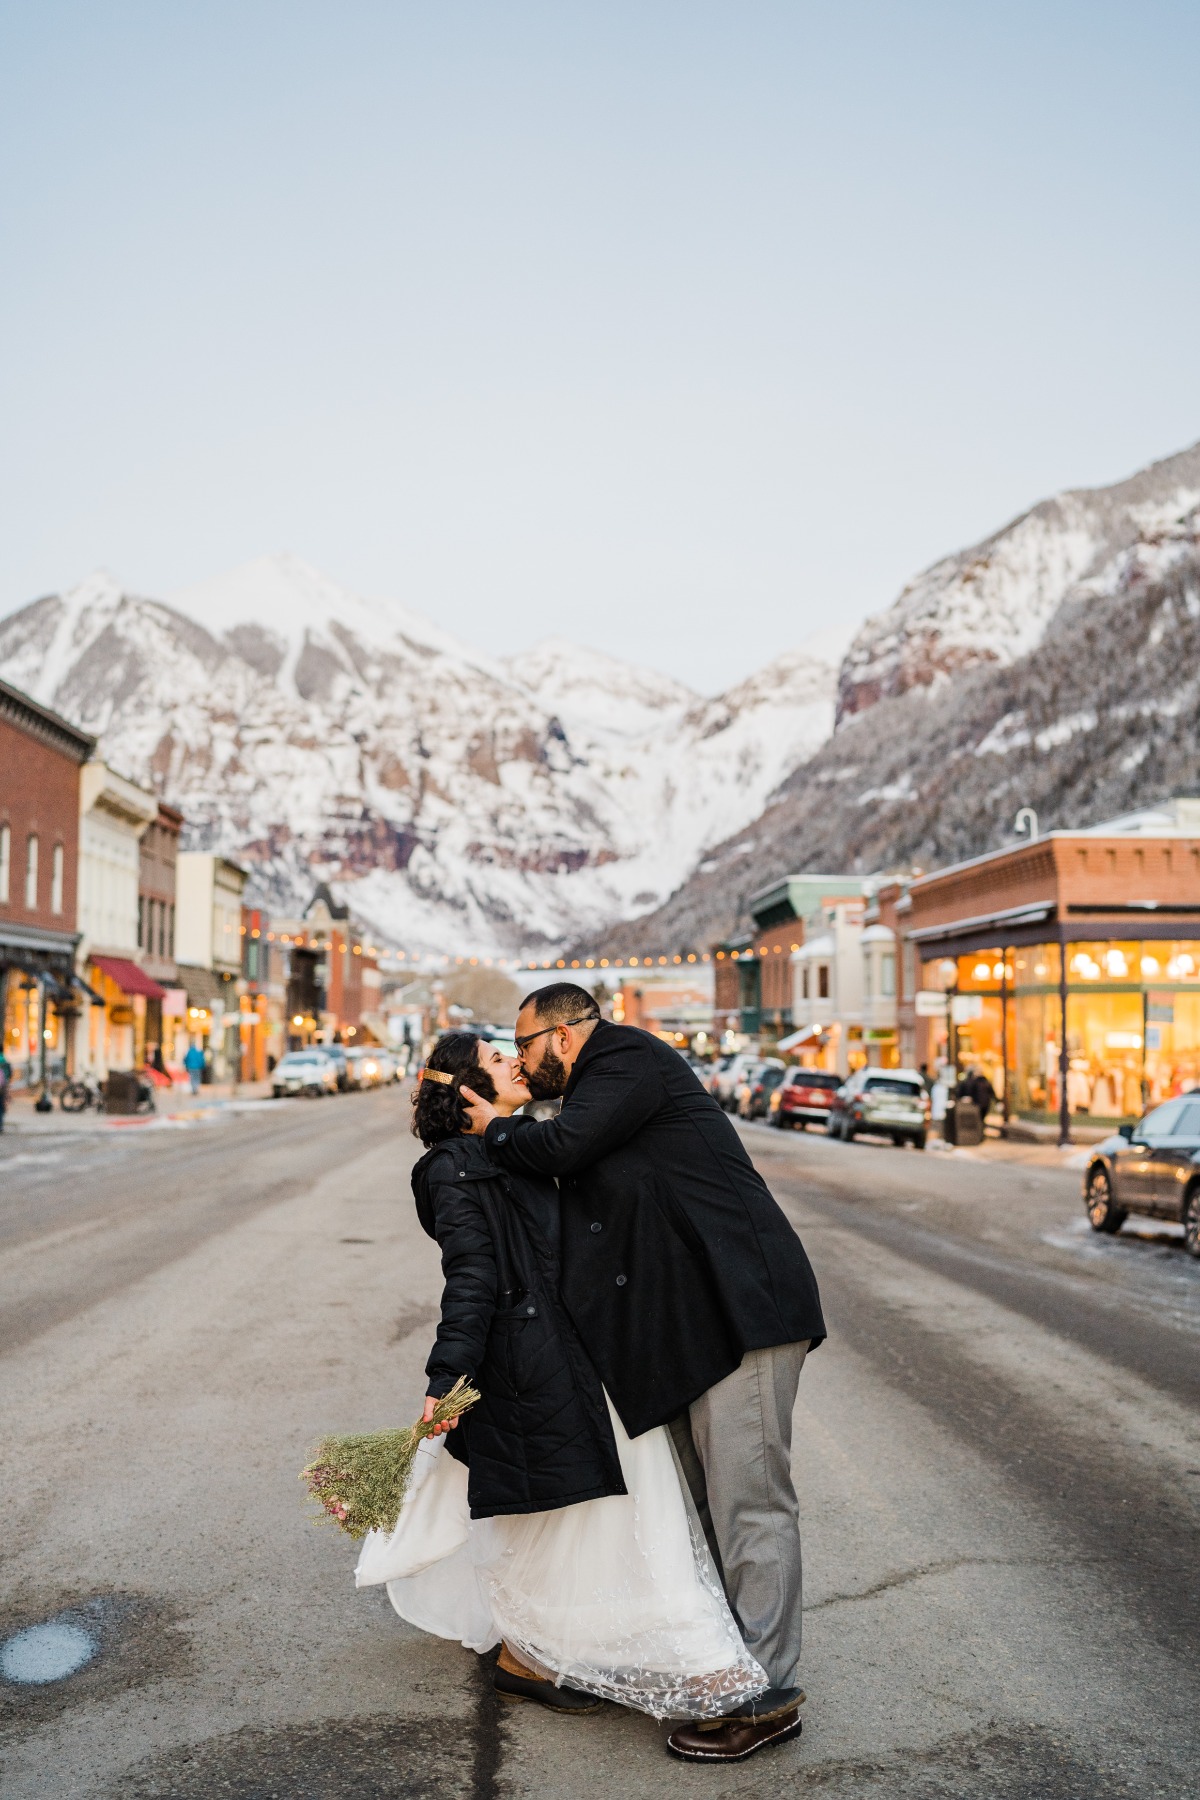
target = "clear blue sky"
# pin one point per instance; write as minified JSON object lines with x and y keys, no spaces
{"x":677,"y":327}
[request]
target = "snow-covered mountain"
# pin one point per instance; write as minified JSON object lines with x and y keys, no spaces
{"x":994,"y":602}
{"x":462,"y":802}
{"x":1088,"y":708}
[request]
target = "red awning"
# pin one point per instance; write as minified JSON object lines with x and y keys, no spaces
{"x":128,"y":976}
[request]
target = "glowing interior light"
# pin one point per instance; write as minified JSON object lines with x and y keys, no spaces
{"x":1116,"y":964}
{"x":1150,"y":966}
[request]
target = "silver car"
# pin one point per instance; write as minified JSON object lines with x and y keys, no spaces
{"x":304,"y":1072}
{"x":1153,"y":1168}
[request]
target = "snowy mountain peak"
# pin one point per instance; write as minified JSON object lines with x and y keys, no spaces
{"x":588,"y":688}
{"x":463,"y":804}
{"x":993,"y":602}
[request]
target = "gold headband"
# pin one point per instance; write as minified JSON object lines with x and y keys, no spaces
{"x":435,"y":1075}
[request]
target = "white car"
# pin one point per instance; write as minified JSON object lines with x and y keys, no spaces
{"x":304,"y":1072}
{"x":365,"y":1068}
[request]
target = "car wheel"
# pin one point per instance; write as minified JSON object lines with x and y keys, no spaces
{"x":918,"y":1142}
{"x":1102,"y":1210}
{"x":1191,"y":1221}
{"x":898,"y":1139}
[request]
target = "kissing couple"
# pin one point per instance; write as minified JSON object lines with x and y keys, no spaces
{"x":635,"y":1310}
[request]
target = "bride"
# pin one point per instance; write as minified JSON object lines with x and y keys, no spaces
{"x":545,"y":1529}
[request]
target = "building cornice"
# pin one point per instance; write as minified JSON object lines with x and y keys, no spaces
{"x":47,"y":727}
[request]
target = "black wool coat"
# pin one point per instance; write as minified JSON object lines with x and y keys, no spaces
{"x":540,"y":1437}
{"x":676,"y":1259}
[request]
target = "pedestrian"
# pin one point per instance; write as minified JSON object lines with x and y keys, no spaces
{"x":574,"y":1549}
{"x":980,"y":1090}
{"x":5,"y":1078}
{"x":695,"y":1301}
{"x":193,"y":1062}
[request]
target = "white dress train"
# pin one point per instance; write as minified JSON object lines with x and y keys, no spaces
{"x":617,"y":1597}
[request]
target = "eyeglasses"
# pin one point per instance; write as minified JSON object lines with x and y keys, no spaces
{"x":587,"y":1019}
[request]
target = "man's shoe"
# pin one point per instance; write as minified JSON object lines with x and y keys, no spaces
{"x":543,"y":1693}
{"x":772,"y":1703}
{"x":733,"y":1740}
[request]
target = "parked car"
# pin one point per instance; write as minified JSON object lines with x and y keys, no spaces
{"x":304,"y":1072}
{"x":754,"y":1094}
{"x":337,"y":1055}
{"x":887,"y":1102}
{"x":729,"y":1077}
{"x":803,"y":1098}
{"x":1151,"y":1168}
{"x":365,"y":1067}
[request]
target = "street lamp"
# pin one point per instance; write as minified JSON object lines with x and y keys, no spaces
{"x":1026,"y":824}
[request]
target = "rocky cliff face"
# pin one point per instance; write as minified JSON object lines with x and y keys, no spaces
{"x":994,"y":602}
{"x":462,"y":803}
{"x":1101,"y":717}
{"x":1055,"y":665}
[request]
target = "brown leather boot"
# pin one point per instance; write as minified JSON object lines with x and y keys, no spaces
{"x":733,"y":1740}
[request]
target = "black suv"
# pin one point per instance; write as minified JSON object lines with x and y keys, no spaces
{"x":1152,"y":1167}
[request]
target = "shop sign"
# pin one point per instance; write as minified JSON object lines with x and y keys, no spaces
{"x":965,"y":1007}
{"x":120,"y":1013}
{"x":1160,"y":1008}
{"x":877,"y":1035}
{"x":930,"y":1003}
{"x":174,"y":1003}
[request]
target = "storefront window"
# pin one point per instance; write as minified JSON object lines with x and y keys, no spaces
{"x":1103,"y":962}
{"x":979,"y":1037}
{"x":1035,"y":965}
{"x":983,"y":969}
{"x":1172,"y":1043}
{"x":1035,"y":1069}
{"x":1104,"y":1047}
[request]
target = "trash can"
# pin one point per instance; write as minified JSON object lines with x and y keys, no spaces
{"x":122,"y":1090}
{"x":963,"y":1124}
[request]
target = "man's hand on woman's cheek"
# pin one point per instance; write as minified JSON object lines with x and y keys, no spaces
{"x":479,"y":1111}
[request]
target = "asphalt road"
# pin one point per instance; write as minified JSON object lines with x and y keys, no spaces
{"x":997,"y":1452}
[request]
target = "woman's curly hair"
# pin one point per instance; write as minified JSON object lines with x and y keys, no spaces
{"x":439,"y":1110}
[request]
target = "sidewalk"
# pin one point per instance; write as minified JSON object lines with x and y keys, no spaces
{"x":174,"y":1107}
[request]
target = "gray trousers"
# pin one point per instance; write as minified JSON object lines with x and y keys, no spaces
{"x":734,"y":1446}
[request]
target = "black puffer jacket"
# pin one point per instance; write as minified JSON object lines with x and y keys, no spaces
{"x":540,"y":1437}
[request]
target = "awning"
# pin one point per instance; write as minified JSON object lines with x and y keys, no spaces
{"x":128,"y":977}
{"x":202,"y":986}
{"x":810,"y":1034}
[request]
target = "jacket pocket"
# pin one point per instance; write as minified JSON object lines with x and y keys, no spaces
{"x":513,"y":1327}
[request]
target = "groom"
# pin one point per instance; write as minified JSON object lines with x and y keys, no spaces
{"x":695,"y":1301}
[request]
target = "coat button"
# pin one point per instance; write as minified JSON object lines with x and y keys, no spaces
{"x":532,"y":1311}
{"x":621,"y":1280}
{"x":462,"y":1174}
{"x":501,"y":1137}
{"x":597,"y":1226}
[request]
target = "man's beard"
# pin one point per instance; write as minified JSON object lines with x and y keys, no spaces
{"x":548,"y":1081}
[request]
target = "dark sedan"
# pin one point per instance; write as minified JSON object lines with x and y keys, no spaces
{"x":1152,"y":1168}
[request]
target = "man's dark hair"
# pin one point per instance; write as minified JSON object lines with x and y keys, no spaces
{"x":559,"y":1002}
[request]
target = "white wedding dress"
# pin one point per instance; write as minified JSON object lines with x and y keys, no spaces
{"x":617,"y":1597}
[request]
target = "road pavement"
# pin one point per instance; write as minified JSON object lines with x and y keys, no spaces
{"x":996,"y":1451}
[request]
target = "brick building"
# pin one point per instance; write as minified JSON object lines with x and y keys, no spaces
{"x":159,"y":850}
{"x":1097,"y":928}
{"x":40,"y":759}
{"x":763,"y":988}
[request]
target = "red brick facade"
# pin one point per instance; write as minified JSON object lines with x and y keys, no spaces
{"x":40,"y":757}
